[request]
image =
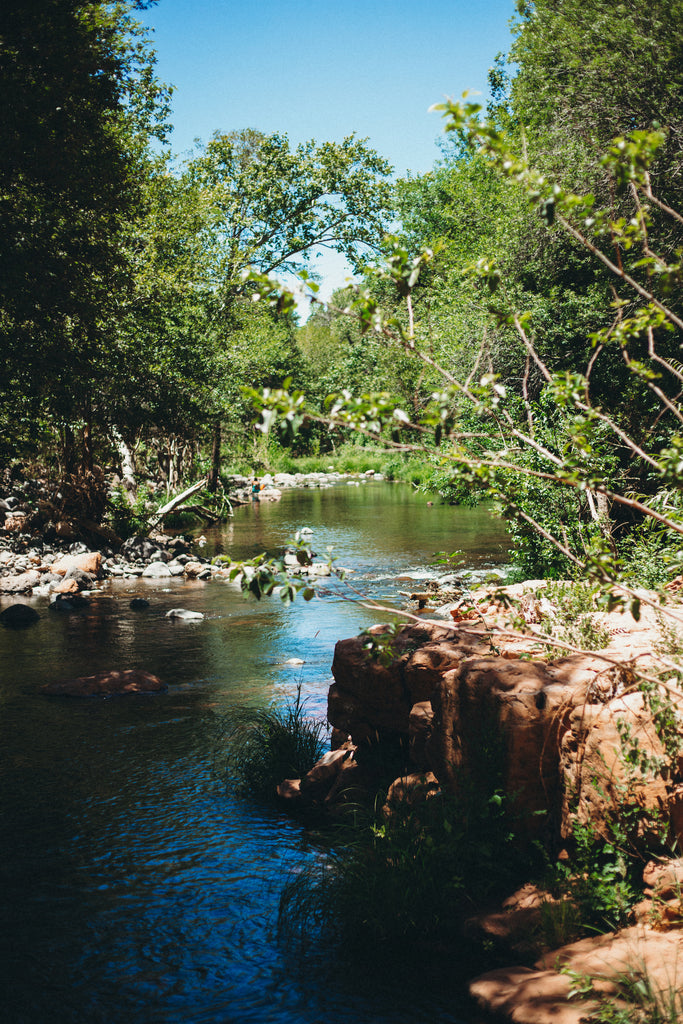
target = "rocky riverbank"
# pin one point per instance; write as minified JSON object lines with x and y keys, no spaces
{"x":41,"y":553}
{"x":565,"y":727}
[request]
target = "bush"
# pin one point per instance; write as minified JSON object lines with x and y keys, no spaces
{"x":574,"y":622}
{"x":405,"y":879}
{"x":128,"y":520}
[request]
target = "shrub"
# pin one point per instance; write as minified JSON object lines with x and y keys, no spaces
{"x":406,"y":878}
{"x":573,"y":621}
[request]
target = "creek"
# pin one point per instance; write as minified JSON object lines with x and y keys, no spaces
{"x":136,"y":887}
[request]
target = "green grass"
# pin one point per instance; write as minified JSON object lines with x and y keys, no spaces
{"x":393,"y":884}
{"x":349,"y":458}
{"x":266,"y":746}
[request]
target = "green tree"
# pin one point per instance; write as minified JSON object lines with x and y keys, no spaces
{"x":80,"y":102}
{"x":270,"y":208}
{"x":590,"y":71}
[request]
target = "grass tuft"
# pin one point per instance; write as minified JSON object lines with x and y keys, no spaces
{"x":268,"y":745}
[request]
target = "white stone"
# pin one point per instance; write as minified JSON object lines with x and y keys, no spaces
{"x":156,"y":571}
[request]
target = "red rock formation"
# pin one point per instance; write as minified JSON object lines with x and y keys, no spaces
{"x":551,"y":726}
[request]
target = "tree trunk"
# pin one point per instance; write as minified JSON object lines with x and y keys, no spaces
{"x":215,"y":458}
{"x":68,"y":450}
{"x":127,"y":465}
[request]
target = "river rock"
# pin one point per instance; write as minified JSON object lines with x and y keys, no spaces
{"x":270,"y":494}
{"x":87,"y":561}
{"x":20,"y":584}
{"x":184,"y":615}
{"x":138,"y":604}
{"x":65,"y":587}
{"x":15,"y":522}
{"x":107,"y":683}
{"x":18,"y":616}
{"x":156,"y":571}
{"x":318,"y":569}
{"x":197,"y":570}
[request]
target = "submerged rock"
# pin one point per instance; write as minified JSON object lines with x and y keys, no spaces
{"x":69,"y":603}
{"x":108,"y":683}
{"x":184,"y":615}
{"x":18,"y":616}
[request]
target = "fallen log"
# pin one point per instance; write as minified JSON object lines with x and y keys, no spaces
{"x":175,"y":502}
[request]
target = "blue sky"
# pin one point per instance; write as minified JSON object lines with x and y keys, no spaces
{"x":324,"y":70}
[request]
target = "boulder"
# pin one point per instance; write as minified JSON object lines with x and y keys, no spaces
{"x":541,"y":994}
{"x":156,"y":571}
{"x":664,"y":878}
{"x":18,"y":616}
{"x":550,"y":730}
{"x":375,"y":691}
{"x":84,"y":580}
{"x":20,"y":584}
{"x":88,"y":561}
{"x":409,"y":790}
{"x":290,"y":789}
{"x":595,"y":773}
{"x":317,"y":782}
{"x":494,"y":715}
{"x":108,"y":683}
{"x":65,"y":530}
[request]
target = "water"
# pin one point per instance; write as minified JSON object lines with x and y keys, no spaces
{"x":135,"y":887}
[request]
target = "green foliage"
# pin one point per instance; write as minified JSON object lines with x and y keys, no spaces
{"x":573,"y":618}
{"x":600,"y":880}
{"x":269,"y":745}
{"x":126,"y":518}
{"x":379,"y":646}
{"x":81,"y":103}
{"x":267,"y":206}
{"x":407,"y":877}
{"x":560,"y":923}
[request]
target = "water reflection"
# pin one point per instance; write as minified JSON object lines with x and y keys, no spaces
{"x":135,"y":888}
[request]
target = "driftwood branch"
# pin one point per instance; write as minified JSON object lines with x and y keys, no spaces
{"x":175,"y":502}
